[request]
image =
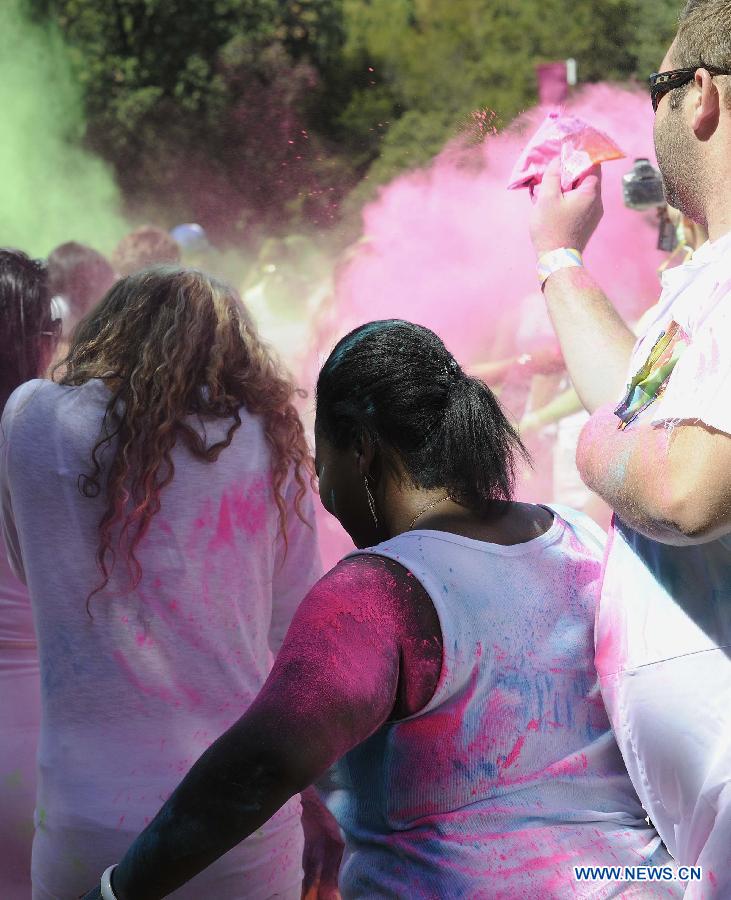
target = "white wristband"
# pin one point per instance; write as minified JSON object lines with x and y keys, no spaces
{"x":555,"y":260}
{"x":106,"y":885}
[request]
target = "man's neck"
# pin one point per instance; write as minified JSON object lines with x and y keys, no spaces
{"x":717,"y":230}
{"x":718,"y":215}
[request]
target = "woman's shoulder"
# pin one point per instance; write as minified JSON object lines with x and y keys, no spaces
{"x":28,"y":394}
{"x":367,"y":581}
{"x":35,"y":395}
{"x":369,"y":567}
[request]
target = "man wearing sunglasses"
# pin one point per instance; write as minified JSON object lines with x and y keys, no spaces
{"x":658,"y":450}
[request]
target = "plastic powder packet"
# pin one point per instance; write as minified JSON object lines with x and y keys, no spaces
{"x":579,"y":145}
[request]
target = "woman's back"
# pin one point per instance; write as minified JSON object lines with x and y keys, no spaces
{"x":132,"y":696}
{"x":510,"y":775}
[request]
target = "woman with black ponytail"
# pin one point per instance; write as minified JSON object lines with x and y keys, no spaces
{"x":443,"y":673}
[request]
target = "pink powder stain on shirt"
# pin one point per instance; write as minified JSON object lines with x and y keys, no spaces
{"x":536,"y":864}
{"x":251,"y":502}
{"x":611,"y":644}
{"x":502,"y":703}
{"x":164,"y":526}
{"x":514,"y":754}
{"x":157,"y":605}
{"x":572,"y":766}
{"x":224,"y":531}
{"x":712,"y":878}
{"x":202,"y":521}
{"x":442,"y":731}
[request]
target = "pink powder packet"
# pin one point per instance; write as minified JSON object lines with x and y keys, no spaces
{"x":578,"y":144}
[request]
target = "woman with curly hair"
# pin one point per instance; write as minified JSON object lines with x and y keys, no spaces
{"x":156,"y":499}
{"x":29,"y":337}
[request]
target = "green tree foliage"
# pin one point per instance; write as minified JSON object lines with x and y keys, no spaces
{"x":248,"y":113}
{"x":655,"y":23}
{"x":442,"y":59}
{"x":204,"y":108}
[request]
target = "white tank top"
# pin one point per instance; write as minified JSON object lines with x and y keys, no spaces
{"x":510,"y":775}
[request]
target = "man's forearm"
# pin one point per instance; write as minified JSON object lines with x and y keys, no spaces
{"x":595,"y":341}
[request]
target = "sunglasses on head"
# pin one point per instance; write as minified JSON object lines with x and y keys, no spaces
{"x":662,"y":83}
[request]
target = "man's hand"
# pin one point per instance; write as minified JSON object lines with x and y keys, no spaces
{"x":565,"y":220}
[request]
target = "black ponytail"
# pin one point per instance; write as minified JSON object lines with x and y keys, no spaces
{"x":397,"y":383}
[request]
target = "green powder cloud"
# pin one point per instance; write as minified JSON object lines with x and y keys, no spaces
{"x":51,"y":189}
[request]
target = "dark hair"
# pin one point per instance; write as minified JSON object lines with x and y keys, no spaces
{"x":704,"y":38}
{"x":397,"y":383}
{"x":24,"y":313}
{"x":146,"y":246}
{"x":80,"y":274}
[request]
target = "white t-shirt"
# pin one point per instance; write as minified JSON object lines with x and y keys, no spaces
{"x":664,"y":622}
{"x":134,"y":695}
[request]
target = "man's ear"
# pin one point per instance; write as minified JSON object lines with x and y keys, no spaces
{"x":706,"y":106}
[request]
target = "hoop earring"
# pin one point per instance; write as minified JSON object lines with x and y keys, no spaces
{"x":371,"y":501}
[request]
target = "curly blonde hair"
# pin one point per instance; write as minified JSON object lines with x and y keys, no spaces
{"x":171,"y":342}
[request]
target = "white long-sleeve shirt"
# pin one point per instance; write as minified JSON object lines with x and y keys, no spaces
{"x":132,"y":696}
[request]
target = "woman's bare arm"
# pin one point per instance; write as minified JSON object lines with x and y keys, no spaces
{"x":339,"y":676}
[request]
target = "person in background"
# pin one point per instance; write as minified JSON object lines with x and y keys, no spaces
{"x":658,"y":450}
{"x":445,"y":669}
{"x":195,"y":248}
{"x":157,"y":502}
{"x":146,"y":246}
{"x":29,"y":335}
{"x":78,"y":277}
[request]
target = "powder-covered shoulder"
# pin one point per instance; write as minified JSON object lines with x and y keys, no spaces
{"x":369,"y":589}
{"x":363,"y":572}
